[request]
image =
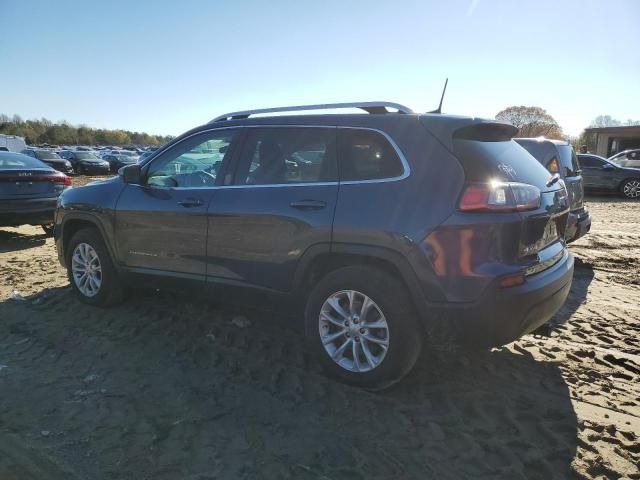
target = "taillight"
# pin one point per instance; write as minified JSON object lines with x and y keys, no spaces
{"x":55,"y":178}
{"x":499,"y":197}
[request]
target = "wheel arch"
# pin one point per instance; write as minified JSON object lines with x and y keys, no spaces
{"x":74,"y":223}
{"x":319,"y":261}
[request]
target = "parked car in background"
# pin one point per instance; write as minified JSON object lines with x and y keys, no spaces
{"x":558,"y":157}
{"x":51,"y":158}
{"x":607,"y":176}
{"x":29,"y":190}
{"x":628,"y":158}
{"x":118,"y":160}
{"x":12,"y":143}
{"x":146,"y":154}
{"x":86,"y":163}
{"x":399,"y":226}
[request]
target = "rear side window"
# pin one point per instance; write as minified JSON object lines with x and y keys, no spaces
{"x":568,"y":161}
{"x":273,"y":156}
{"x":590,"y":162}
{"x":367,"y":155}
{"x":503,"y":161}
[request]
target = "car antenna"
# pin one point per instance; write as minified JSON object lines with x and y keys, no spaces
{"x":439,"y":109}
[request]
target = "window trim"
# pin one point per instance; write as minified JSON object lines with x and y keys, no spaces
{"x":405,"y":164}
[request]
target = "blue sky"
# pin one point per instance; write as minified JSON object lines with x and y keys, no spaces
{"x":166,"y":66}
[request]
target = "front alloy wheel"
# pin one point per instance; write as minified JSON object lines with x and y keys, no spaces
{"x":86,"y":270}
{"x":631,"y":189}
{"x":354,"y":331}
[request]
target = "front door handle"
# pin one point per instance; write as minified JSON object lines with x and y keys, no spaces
{"x":190,"y":202}
{"x":308,"y":205}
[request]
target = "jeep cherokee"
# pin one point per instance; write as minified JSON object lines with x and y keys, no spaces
{"x":390,"y":229}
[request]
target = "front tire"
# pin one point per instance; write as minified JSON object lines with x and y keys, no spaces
{"x":631,"y":188}
{"x":91,"y":272}
{"x":362,"y":327}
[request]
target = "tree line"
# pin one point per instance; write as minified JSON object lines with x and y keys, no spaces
{"x":36,"y":132}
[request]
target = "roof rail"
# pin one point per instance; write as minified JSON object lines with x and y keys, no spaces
{"x":369,"y":107}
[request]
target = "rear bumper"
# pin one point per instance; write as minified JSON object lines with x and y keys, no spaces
{"x":578,"y":224}
{"x":27,"y":212}
{"x":505,"y":314}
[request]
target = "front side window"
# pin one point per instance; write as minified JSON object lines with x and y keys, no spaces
{"x":193,"y":163}
{"x":367,"y":155}
{"x":272,"y":156}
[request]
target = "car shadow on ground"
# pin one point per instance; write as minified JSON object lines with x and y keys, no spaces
{"x":582,"y":277}
{"x":11,"y":241}
{"x":166,"y":387}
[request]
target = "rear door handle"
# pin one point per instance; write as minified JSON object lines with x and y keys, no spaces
{"x":190,"y":202}
{"x":308,"y":205}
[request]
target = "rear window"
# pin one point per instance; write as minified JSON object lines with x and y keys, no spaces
{"x":503,"y":161}
{"x":367,"y":155}
{"x":16,"y":161}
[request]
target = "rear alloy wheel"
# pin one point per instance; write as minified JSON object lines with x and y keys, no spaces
{"x":362,"y":326}
{"x":631,"y":189}
{"x":354,"y":331}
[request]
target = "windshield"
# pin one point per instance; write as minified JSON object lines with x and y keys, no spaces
{"x":45,"y":155}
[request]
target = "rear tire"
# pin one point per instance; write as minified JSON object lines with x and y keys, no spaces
{"x":88,"y":253}
{"x":631,"y":188}
{"x":387,"y":317}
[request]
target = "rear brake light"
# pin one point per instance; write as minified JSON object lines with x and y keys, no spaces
{"x":500,"y":197}
{"x":61,"y":178}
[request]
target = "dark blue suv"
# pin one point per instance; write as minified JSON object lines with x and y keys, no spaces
{"x":390,"y":230}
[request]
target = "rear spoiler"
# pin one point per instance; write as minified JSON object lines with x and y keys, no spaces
{"x":449,"y":128}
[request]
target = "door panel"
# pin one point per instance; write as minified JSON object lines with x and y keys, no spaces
{"x":163,"y":228}
{"x":162,"y":224}
{"x":257,"y":236}
{"x":281,"y":203}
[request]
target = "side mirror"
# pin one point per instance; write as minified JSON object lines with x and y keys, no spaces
{"x":130,"y":173}
{"x":607,"y":168}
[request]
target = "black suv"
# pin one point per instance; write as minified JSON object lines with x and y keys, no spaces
{"x":388,"y":230}
{"x":559,"y":157}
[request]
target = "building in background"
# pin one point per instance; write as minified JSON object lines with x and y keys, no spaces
{"x":607,"y":141}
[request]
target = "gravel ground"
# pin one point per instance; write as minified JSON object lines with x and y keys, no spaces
{"x":167,"y":388}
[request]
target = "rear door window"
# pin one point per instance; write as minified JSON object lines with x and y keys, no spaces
{"x":590,"y":162}
{"x":275,"y":156}
{"x":367,"y":155}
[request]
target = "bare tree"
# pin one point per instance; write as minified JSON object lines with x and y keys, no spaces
{"x":531,"y":121}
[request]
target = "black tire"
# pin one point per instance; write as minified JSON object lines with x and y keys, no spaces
{"x":80,"y":170}
{"x":632,"y":193}
{"x":390,"y":295}
{"x":111,"y":290}
{"x":48,"y":229}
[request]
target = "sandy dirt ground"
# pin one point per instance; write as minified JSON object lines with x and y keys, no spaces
{"x":164,"y":387}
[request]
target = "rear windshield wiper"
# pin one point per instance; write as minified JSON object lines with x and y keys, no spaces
{"x":554,"y":178}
